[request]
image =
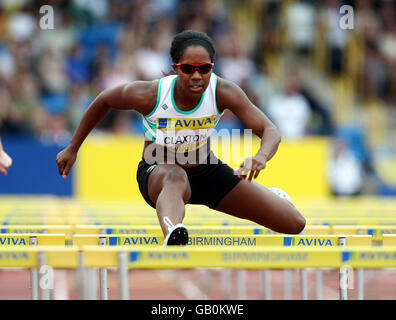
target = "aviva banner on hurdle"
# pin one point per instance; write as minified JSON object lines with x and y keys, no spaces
{"x":227,"y":241}
{"x":372,"y":258}
{"x":18,"y":258}
{"x":197,"y":257}
{"x":243,"y":258}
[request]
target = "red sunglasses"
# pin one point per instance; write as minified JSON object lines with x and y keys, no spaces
{"x":190,"y":68}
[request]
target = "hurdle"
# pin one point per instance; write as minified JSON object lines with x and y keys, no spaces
{"x":156,"y":229}
{"x":193,"y":230}
{"x":223,"y":240}
{"x":124,"y":258}
{"x":33,"y":240}
{"x":379,"y":231}
{"x":316,"y":241}
{"x":153,"y":220}
{"x":369,"y":221}
{"x":39,"y":229}
{"x":34,"y":221}
{"x":25,"y":239}
{"x":234,"y":241}
{"x":349,"y":229}
{"x":376,"y":232}
{"x":388,"y":240}
{"x":346,"y":255}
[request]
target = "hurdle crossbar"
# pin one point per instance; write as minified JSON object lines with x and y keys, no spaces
{"x":24,"y":239}
{"x":226,"y":240}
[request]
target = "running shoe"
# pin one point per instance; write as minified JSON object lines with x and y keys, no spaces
{"x":280,"y":193}
{"x":177,"y":235}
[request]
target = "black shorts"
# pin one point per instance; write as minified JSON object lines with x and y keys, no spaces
{"x":209,"y":182}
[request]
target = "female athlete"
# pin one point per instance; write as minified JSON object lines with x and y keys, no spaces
{"x":179,"y":112}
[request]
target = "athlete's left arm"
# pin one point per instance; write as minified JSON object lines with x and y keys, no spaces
{"x":230,"y":96}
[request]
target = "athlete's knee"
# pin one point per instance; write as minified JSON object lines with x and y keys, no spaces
{"x":175,"y":174}
{"x":169,"y":178}
{"x":297,"y":223}
{"x":175,"y":178}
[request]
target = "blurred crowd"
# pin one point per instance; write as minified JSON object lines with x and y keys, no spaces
{"x":284,"y":54}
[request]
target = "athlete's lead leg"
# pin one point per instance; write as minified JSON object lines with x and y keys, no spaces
{"x":169,"y":189}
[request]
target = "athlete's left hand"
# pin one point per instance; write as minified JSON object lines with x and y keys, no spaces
{"x":5,"y":162}
{"x":252,"y":166}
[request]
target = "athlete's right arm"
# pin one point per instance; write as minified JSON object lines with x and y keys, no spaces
{"x":140,"y":96}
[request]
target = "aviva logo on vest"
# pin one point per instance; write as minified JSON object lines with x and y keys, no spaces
{"x":185,"y":123}
{"x":307,"y":242}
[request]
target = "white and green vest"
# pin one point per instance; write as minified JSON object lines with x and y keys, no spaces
{"x":180,"y":130}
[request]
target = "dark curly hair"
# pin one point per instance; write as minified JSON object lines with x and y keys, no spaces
{"x":188,"y":38}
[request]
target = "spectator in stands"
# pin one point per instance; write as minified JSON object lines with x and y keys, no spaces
{"x":336,"y":38}
{"x":56,"y":131}
{"x":261,"y":86}
{"x":7,"y":62}
{"x":22,"y":25}
{"x":388,"y":50}
{"x":368,"y":27}
{"x":345,"y":171}
{"x":151,"y":61}
{"x":290,"y":110}
{"x":300,"y":21}
{"x":24,"y":102}
{"x":235,"y":64}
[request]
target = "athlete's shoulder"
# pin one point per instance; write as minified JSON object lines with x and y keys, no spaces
{"x":143,"y":94}
{"x":141,"y":89}
{"x":225,"y":87}
{"x":227,"y":93}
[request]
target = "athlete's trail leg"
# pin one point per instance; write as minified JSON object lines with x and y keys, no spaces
{"x":252,"y":201}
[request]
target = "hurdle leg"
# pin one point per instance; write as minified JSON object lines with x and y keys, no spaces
{"x":91,"y":283}
{"x":34,"y":286}
{"x":103,"y":286}
{"x":226,"y":283}
{"x":343,"y":284}
{"x":88,"y":277}
{"x":34,"y":278}
{"x":304,"y":284}
{"x":241,"y":284}
{"x":360,"y":284}
{"x":82,"y":277}
{"x":319,"y":284}
{"x":266,"y":284}
{"x":343,"y":274}
{"x":207,"y":279}
{"x":287,"y":284}
{"x":123,"y":275}
{"x":44,"y":288}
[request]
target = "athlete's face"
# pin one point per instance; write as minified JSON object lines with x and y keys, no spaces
{"x":194,"y":83}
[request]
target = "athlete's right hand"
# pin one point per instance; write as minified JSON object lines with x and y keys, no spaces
{"x":65,"y":160}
